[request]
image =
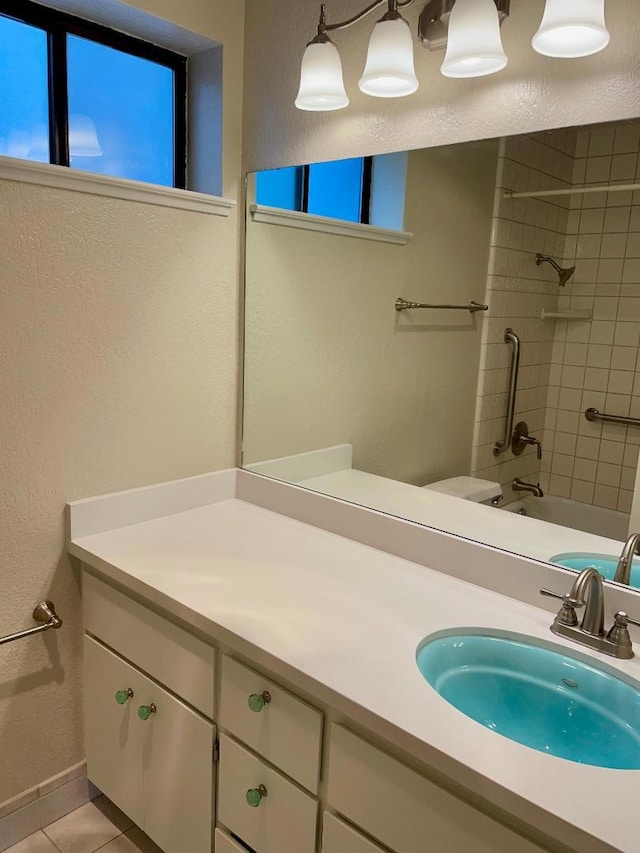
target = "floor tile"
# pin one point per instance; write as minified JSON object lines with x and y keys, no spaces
{"x":134,"y":841}
{"x":36,"y":843}
{"x":88,"y":828}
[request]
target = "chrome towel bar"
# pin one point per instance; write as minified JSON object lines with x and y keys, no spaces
{"x":472,"y":307}
{"x":594,"y":415}
{"x":45,"y":614}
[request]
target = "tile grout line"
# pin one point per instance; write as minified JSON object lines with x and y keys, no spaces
{"x":109,"y":842}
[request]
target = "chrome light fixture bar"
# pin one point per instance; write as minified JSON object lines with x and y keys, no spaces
{"x":468,"y":29}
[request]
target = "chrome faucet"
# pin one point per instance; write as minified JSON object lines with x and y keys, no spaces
{"x":588,"y":591}
{"x":623,"y":569}
{"x":588,"y":588}
{"x":519,"y":486}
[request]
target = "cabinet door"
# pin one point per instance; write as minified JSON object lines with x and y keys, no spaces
{"x":177,"y":762}
{"x":112,"y":732}
{"x":226,"y":844}
{"x":337,"y":837}
{"x":406,"y":811}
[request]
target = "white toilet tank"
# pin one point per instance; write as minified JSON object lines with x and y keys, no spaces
{"x":468,"y":488}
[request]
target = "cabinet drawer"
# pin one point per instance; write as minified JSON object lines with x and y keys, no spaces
{"x":337,"y":837}
{"x":287,"y":731}
{"x":404,"y":810}
{"x":225,"y":844}
{"x":284,"y":820}
{"x":169,"y":654}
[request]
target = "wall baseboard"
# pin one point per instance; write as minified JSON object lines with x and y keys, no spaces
{"x":44,"y":804}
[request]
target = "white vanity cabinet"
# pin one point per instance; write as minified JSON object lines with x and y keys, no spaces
{"x":265,"y":805}
{"x":337,"y":837}
{"x":402,"y":809}
{"x":147,"y":750}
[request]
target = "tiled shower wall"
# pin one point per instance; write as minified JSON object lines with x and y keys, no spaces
{"x":518,"y":292}
{"x":595,"y":362}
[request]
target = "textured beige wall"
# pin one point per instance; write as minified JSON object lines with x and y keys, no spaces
{"x":118,"y":363}
{"x":531,"y":94}
{"x":329,"y":361}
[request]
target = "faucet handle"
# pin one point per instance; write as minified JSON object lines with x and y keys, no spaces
{"x":619,"y":633}
{"x":622,"y":619}
{"x":567,"y":614}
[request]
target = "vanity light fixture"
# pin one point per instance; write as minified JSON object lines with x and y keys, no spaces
{"x":470,"y":31}
{"x":571,"y":29}
{"x":389,"y":71}
{"x":474,"y":46}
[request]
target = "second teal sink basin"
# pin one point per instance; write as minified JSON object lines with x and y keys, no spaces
{"x":544,"y":699}
{"x":604,"y":563}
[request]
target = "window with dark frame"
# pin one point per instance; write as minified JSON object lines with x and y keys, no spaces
{"x":340,"y":189}
{"x":78,"y":94}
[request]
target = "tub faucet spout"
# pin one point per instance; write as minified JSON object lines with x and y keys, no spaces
{"x":519,"y":485}
{"x":623,"y":569}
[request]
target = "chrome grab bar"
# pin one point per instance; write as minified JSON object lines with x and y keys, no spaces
{"x":594,"y":415}
{"x":472,"y":307}
{"x":45,"y":614}
{"x":510,"y":337}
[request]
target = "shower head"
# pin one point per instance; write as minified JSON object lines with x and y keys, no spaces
{"x":563,"y":274}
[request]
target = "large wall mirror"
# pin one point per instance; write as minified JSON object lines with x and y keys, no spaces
{"x":407,"y":409}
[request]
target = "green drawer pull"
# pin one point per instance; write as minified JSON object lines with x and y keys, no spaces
{"x":255,"y":796}
{"x":123,"y":696}
{"x":145,"y":711}
{"x":257,"y":701}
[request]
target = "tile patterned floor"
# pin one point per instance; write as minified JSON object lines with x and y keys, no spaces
{"x":97,"y":826}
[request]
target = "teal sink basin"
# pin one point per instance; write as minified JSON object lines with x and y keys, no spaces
{"x":547,"y":700}
{"x":604,"y":563}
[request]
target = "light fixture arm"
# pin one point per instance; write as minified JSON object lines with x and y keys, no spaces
{"x":324,"y":27}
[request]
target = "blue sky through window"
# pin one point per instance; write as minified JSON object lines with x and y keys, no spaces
{"x":120,"y":113}
{"x":24,"y":109}
{"x":335,"y":189}
{"x":280,"y":188}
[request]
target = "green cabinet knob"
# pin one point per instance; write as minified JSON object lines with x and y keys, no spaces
{"x":255,"y":796}
{"x":123,"y":696}
{"x":257,"y":701}
{"x":145,"y":711}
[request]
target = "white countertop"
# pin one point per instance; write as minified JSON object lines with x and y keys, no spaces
{"x":349,"y":618}
{"x":529,"y":536}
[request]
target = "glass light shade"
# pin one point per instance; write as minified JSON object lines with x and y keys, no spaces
{"x":321,"y":83}
{"x":39,"y":148}
{"x":474,"y":46}
{"x":389,"y":72}
{"x":572,"y":28}
{"x":83,"y":137}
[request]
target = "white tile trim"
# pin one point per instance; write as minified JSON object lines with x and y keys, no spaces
{"x":64,"y":178}
{"x":44,"y":804}
{"x":310,"y":222}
